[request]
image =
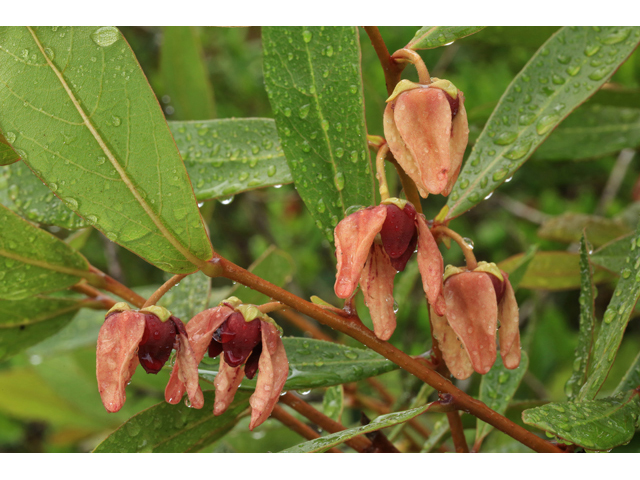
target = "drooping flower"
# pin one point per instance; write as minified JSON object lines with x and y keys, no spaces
{"x":249,"y":341}
{"x":372,"y":245}
{"x":128,"y":338}
{"x":479,"y":303}
{"x":427,"y":131}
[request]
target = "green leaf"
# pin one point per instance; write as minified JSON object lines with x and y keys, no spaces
{"x":313,"y":79}
{"x":7,"y":153}
{"x":166,"y":428}
{"x":94,"y":133}
{"x":593,"y":424}
{"x":420,"y":398}
{"x":315,"y":364}
{"x":497,"y":389}
{"x":587,"y":324}
{"x":612,"y":256}
{"x":568,"y":228}
{"x":631,"y":379}
{"x":440,"y":429}
{"x":230,"y":156}
{"x":525,"y":36}
{"x":26,"y":322}
{"x":383,"y":421}
{"x":274,"y":265}
{"x":34,"y":260}
{"x":333,"y":402}
{"x":552,"y":271}
{"x":564,"y":72}
{"x":432,"y":37}
{"x":189,"y":297}
{"x":593,"y":131}
{"x":184,"y":73}
{"x":614,"y":321}
{"x":34,"y":201}
{"x":518,"y":272}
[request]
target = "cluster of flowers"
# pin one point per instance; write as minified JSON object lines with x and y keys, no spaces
{"x":427,"y":131}
{"x":247,"y":339}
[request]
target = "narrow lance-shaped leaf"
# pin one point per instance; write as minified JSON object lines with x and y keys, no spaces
{"x":614,"y":322}
{"x":184,"y":74}
{"x":34,"y":261}
{"x":631,"y":379}
{"x":593,"y":424}
{"x":587,"y":325}
{"x":612,"y":256}
{"x":517,"y":274}
{"x":313,"y":79}
{"x":231,"y":156}
{"x":7,"y":154}
{"x":593,"y":131}
{"x":564,"y":72}
{"x":497,"y":389}
{"x":383,"y":421}
{"x":166,"y":428}
{"x":93,"y":131}
{"x":333,"y":402}
{"x":432,"y":37}
{"x":315,"y":364}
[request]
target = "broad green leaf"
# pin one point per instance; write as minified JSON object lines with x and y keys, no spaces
{"x":516,"y":275}
{"x":34,"y":201}
{"x":26,"y":322}
{"x":94,"y":133}
{"x":184,"y":74}
{"x":166,"y":428}
{"x":570,"y":67}
{"x":316,"y":363}
{"x":593,"y":131}
{"x":593,"y":424}
{"x":432,"y":37}
{"x":274,"y":265}
{"x":34,"y":260}
{"x":313,"y":79}
{"x":612,"y":256}
{"x":614,"y":322}
{"x":587,"y":324}
{"x":568,"y":228}
{"x":383,"y":421}
{"x":552,"y":271}
{"x":440,"y":429}
{"x":497,"y":389}
{"x":333,"y":402}
{"x":631,"y":379}
{"x":230,"y":156}
{"x":189,"y":297}
{"x":7,"y":153}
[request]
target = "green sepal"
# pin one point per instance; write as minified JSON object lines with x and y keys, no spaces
{"x":162,"y":313}
{"x":403,"y":86}
{"x":444,"y":85}
{"x":398,"y":202}
{"x":118,"y":307}
{"x":451,"y":270}
{"x":491,"y":268}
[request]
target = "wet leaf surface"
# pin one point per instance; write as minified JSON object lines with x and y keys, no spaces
{"x":432,"y":37}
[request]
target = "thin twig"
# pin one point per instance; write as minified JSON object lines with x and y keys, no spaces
{"x":615,"y":180}
{"x":380,"y":175}
{"x":409,"y":56}
{"x":166,"y":286}
{"x":457,"y":432}
{"x":105,"y":282}
{"x":91,"y":292}
{"x":305,"y":431}
{"x":391,"y":69}
{"x":469,"y":257}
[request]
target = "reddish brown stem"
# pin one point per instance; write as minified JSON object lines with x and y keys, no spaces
{"x":305,"y":431}
{"x":219,"y":266}
{"x":105,"y":282}
{"x":469,"y":257}
{"x":159,"y":293}
{"x":271,"y":307}
{"x":95,"y":294}
{"x":457,"y":432}
{"x":391,"y":69}
{"x":360,"y":443}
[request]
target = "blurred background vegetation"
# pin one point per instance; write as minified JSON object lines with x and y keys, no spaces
{"x":48,"y":396}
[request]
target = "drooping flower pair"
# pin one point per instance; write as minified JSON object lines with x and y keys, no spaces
{"x":479,"y":303}
{"x":372,"y":245}
{"x":427,"y":131}
{"x":248,"y":340}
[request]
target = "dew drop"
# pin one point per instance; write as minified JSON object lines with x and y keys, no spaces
{"x":303,"y":112}
{"x":468,"y":242}
{"x":616,"y":37}
{"x":573,"y":71}
{"x":10,"y":136}
{"x":329,"y":51}
{"x":325,"y":125}
{"x":271,"y":171}
{"x":519,"y":151}
{"x":591,"y":50}
{"x":464,"y":183}
{"x":105,"y":36}
{"x":339,"y":181}
{"x":287,"y":112}
{"x":306,"y":36}
{"x":49,"y":53}
{"x":500,"y":174}
{"x":506,"y":138}
{"x":226,"y":200}
{"x":546,"y":123}
{"x":527,"y":118}
{"x":600,"y":73}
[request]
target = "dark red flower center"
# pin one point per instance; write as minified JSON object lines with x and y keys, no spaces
{"x":157,"y":342}
{"x":399,"y":234}
{"x":454,"y":103}
{"x":498,"y":286}
{"x":238,"y":338}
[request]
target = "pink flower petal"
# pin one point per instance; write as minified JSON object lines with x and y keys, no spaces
{"x":354,"y":236}
{"x":227,"y":382}
{"x":472,"y":312}
{"x":187,"y":367}
{"x":453,"y":352}
{"x":272,"y":375}
{"x":116,"y":356}
{"x":509,"y":331}
{"x":430,"y":264}
{"x":377,"y":286}
{"x":200,"y":331}
{"x":458,"y":143}
{"x":423,"y":118}
{"x":399,"y":148}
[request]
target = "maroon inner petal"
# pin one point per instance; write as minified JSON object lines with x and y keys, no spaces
{"x":215,"y":348}
{"x":498,"y":286}
{"x":239,"y":338}
{"x":398,"y":230}
{"x":401,"y":262}
{"x":454,"y":103}
{"x":156,"y":344}
{"x":251,"y":367}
